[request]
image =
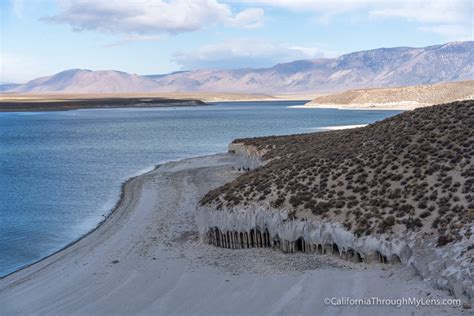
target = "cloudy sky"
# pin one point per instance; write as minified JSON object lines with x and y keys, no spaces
{"x":42,"y":37}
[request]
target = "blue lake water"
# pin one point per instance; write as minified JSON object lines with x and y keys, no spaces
{"x":60,"y":172}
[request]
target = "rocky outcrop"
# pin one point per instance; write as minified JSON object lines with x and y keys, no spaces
{"x":251,"y":228}
{"x":248,"y":157}
{"x":446,"y":268}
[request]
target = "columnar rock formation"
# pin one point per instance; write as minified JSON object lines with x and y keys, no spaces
{"x":262,"y":239}
{"x":261,"y":228}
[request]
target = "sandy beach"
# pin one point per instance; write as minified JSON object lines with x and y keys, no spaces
{"x":398,"y":106}
{"x":146,"y":259}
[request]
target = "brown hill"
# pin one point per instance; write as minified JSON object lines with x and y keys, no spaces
{"x":401,"y":97}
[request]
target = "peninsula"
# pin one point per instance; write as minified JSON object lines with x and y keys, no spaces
{"x":398,"y":191}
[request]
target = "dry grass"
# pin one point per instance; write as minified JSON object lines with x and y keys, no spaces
{"x":410,"y":172}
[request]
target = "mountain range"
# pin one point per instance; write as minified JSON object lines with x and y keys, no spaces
{"x":382,"y":67}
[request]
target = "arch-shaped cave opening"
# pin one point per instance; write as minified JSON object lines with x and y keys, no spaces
{"x":320,"y":248}
{"x":209,"y":237}
{"x":381,"y":258}
{"x":335,"y":249}
{"x":350,"y":253}
{"x":236,"y":240}
{"x":241,"y":240}
{"x":276,"y":241}
{"x":252,"y":238}
{"x":394,"y":259}
{"x":358,"y":257}
{"x":377,"y":256}
{"x":229,"y":239}
{"x":299,"y":244}
{"x":224,"y":240}
{"x":327,"y":248}
{"x":258,"y":238}
{"x":216,"y":236}
{"x":267,"y":237}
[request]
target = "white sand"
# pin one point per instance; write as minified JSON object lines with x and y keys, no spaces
{"x":338,"y":127}
{"x":399,"y":106}
{"x":396,"y":106}
{"x":163,"y":270}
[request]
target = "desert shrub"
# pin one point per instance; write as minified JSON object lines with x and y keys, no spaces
{"x":425,"y":214}
{"x":444,"y":240}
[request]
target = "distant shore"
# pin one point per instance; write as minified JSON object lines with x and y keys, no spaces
{"x":401,"y":106}
{"x":23,"y":105}
{"x":63,"y":102}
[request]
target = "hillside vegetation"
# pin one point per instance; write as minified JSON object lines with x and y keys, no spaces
{"x":410,"y":172}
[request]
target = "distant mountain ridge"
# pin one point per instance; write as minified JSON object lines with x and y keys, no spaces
{"x":7,"y":86}
{"x":382,"y":67}
{"x":88,"y":81}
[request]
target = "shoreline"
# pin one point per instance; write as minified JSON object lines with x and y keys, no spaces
{"x":24,"y":107}
{"x":73,"y":101}
{"x":357,"y":108}
{"x":148,"y":241}
{"x":117,"y":204}
{"x":97,"y":103}
{"x":96,"y":227}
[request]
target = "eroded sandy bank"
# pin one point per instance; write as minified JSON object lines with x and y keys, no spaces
{"x":146,"y":259}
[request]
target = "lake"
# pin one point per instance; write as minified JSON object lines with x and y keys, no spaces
{"x":61,"y":172}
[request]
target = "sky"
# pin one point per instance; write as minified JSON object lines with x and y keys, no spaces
{"x":43,"y":37}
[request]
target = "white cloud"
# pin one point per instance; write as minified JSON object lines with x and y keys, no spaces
{"x":18,"y":7}
{"x":450,"y":31}
{"x":243,"y":53}
{"x":324,"y":7}
{"x":432,"y":11}
{"x":248,"y":18}
{"x":134,"y":38}
{"x":151,"y":16}
{"x":449,"y":18}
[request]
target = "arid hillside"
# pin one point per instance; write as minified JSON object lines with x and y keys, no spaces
{"x":414,"y":96}
{"x":413,"y":172}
